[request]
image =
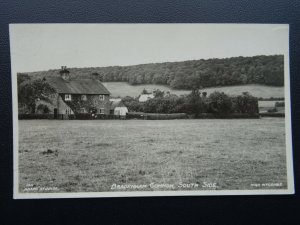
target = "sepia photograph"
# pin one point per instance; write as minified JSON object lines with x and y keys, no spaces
{"x":120,"y":110}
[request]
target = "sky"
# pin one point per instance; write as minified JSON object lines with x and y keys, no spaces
{"x":37,"y":47}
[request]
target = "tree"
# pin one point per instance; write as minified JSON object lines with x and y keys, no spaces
{"x":42,"y":108}
{"x":151,"y":106}
{"x":158,"y":93}
{"x":267,"y":70}
{"x":194,"y":103}
{"x":22,"y":77}
{"x":132,"y":104}
{"x":144,"y":91}
{"x":245,"y":103}
{"x":98,"y":76}
{"x":31,"y":92}
{"x":220,"y":103}
{"x":64,"y":70}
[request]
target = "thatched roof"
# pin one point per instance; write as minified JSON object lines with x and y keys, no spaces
{"x":83,"y":86}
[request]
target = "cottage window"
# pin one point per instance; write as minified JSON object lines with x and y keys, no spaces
{"x":101,"y":97}
{"x":83,"y":97}
{"x":82,"y":110}
{"x":68,"y":97}
{"x":68,"y":111}
{"x":101,"y":111}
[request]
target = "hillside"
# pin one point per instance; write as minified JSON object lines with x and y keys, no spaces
{"x":123,"y":89}
{"x":265,"y":70}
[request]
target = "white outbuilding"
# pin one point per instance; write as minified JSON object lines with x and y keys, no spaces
{"x":145,"y":97}
{"x":118,"y":108}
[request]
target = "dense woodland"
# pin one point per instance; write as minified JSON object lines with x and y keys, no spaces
{"x":193,"y":74}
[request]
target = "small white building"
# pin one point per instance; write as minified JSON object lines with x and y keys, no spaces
{"x":118,"y":108}
{"x":145,"y":97}
{"x":115,"y":99}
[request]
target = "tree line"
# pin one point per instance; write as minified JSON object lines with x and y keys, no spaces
{"x":195,"y":103}
{"x":192,"y":74}
{"x":32,"y":91}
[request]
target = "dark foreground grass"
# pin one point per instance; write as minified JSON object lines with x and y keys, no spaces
{"x":91,"y":156}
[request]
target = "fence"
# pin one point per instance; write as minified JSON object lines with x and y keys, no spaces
{"x":35,"y":116}
{"x":148,"y":116}
{"x":228,"y":116}
{"x":267,"y":114}
{"x":69,"y":117}
{"x":155,"y":116}
{"x":86,"y":116}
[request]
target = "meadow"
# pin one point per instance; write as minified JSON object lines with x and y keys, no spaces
{"x":264,"y":106}
{"x":91,"y":156}
{"x":122,"y":89}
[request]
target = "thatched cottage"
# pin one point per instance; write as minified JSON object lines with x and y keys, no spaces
{"x":78,"y":96}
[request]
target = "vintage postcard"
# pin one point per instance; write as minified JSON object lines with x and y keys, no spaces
{"x":115,"y":110}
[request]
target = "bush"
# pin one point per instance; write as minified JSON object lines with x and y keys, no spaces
{"x":71,"y":116}
{"x":195,"y":104}
{"x":245,"y":103}
{"x":87,"y":116}
{"x":273,"y":110}
{"x":156,"y":116}
{"x":279,"y":104}
{"x":133,"y":104}
{"x":35,"y":116}
{"x":41,"y":108}
{"x":220,"y":103}
{"x":272,"y":114}
{"x":83,"y":116}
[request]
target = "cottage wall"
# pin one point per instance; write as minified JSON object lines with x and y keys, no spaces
{"x":77,"y":105}
{"x":62,"y":107}
{"x":56,"y":102}
{"x":92,"y":102}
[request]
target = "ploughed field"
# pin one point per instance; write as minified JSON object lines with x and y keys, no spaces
{"x":97,"y":155}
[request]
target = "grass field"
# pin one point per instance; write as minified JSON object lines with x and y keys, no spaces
{"x":264,"y":106}
{"x":89,"y":156}
{"x":123,"y":89}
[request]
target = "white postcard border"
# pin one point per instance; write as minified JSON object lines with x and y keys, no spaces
{"x":289,"y":153}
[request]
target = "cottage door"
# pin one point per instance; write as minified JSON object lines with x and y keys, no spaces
{"x":55,"y":113}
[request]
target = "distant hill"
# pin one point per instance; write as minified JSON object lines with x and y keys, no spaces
{"x":265,"y":70}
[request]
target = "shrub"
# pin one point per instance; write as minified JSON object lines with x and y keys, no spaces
{"x":41,"y":108}
{"x":83,"y":116}
{"x":71,"y":116}
{"x":156,"y":116}
{"x":133,"y":104}
{"x":279,"y":104}
{"x":273,"y":110}
{"x":219,"y":103}
{"x":35,"y":116}
{"x":245,"y":103}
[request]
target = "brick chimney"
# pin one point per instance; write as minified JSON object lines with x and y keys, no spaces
{"x":65,"y":73}
{"x":95,"y":76}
